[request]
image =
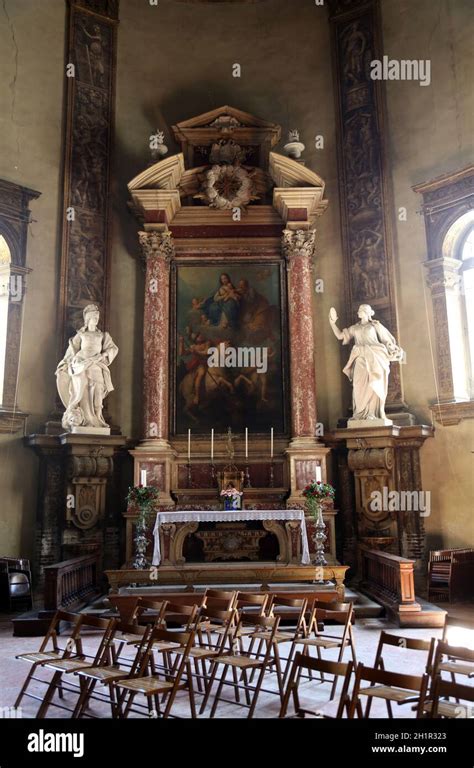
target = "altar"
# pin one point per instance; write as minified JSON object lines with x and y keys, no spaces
{"x":228,"y":236}
{"x":288,"y":525}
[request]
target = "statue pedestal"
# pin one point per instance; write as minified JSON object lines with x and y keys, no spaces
{"x":364,"y":424}
{"x":389,"y":506}
{"x":77,"y":510}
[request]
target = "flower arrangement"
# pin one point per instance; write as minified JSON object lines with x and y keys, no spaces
{"x":230,"y":492}
{"x":315,"y":493}
{"x":232,"y":497}
{"x":144,"y":497}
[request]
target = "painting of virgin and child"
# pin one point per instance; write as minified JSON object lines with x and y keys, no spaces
{"x":236,"y":310}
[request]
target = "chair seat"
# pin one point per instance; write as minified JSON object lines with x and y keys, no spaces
{"x":448,"y":708}
{"x":460,"y":669}
{"x":238,"y":661}
{"x":280,"y":637}
{"x":104,"y":674}
{"x":67,"y":665}
{"x":163,"y":646}
{"x":199,"y":653}
{"x":148,"y":685}
{"x":320,"y":642}
{"x":39,"y":658}
{"x":387,"y":692}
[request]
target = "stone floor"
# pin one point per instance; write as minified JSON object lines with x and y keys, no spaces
{"x":312,"y":694}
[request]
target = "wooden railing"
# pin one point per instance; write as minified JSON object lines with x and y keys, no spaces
{"x":71,"y":583}
{"x":389,"y":579}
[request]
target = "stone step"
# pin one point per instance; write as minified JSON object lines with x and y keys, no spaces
{"x":32,"y":623}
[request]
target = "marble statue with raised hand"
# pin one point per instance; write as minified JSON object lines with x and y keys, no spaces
{"x":83,"y":377}
{"x":368,"y":366}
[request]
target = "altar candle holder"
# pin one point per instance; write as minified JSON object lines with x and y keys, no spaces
{"x":190,"y":480}
{"x":248,"y":484}
{"x":213,"y":475}
{"x":272,"y":476}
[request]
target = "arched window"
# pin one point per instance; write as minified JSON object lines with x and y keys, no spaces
{"x":5,"y":261}
{"x":467,"y":271}
{"x":14,"y":221}
{"x":448,"y":207}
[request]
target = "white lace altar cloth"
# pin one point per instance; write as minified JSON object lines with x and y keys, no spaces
{"x":225,"y":516}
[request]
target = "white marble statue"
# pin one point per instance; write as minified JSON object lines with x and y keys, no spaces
{"x":368,"y":366}
{"x":83,"y":377}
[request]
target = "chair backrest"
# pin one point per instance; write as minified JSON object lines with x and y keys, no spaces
{"x":183,"y":615}
{"x":151,"y":610}
{"x":142,"y":634}
{"x":339,"y":613}
{"x":446,"y":689}
{"x":221,"y":594}
{"x":453,"y":652}
{"x":404,"y":643}
{"x":336,"y":668}
{"x":227,"y":620}
{"x":390,"y":679}
{"x":267,"y":625}
{"x":249,"y":600}
{"x":279,"y":607}
{"x":182,"y":639}
{"x":108,"y":627}
{"x":51,"y":636}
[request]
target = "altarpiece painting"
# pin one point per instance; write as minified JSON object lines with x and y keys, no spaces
{"x":236,"y":309}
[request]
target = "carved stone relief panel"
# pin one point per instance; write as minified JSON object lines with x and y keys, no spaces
{"x":364,"y":193}
{"x":89,"y":124}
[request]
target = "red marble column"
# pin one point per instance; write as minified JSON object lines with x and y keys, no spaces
{"x":157,"y":249}
{"x":298,"y":250}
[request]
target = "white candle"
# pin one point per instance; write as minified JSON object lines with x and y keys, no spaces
{"x":319,"y":475}
{"x":271,"y":443}
{"x":246,"y":442}
{"x":143,"y":477}
{"x":212,"y":446}
{"x":189,"y":446}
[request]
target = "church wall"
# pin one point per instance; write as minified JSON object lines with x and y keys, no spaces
{"x":31,"y":97}
{"x":430,"y":134}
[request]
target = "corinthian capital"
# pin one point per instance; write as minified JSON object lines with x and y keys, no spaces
{"x":299,"y":243}
{"x":156,"y":245}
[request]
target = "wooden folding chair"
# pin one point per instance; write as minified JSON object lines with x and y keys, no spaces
{"x":246,"y":662}
{"x":50,"y":649}
{"x":227,"y":595}
{"x":459,"y":661}
{"x":439,"y":706}
{"x":69,"y":666}
{"x":121,"y":668}
{"x":392,"y":685}
{"x":167,"y":684}
{"x":403,"y":643}
{"x":339,"y":613}
{"x":308,"y":663}
{"x":285,"y":607}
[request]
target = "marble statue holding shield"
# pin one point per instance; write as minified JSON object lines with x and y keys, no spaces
{"x":83,"y":377}
{"x":368,"y":366}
